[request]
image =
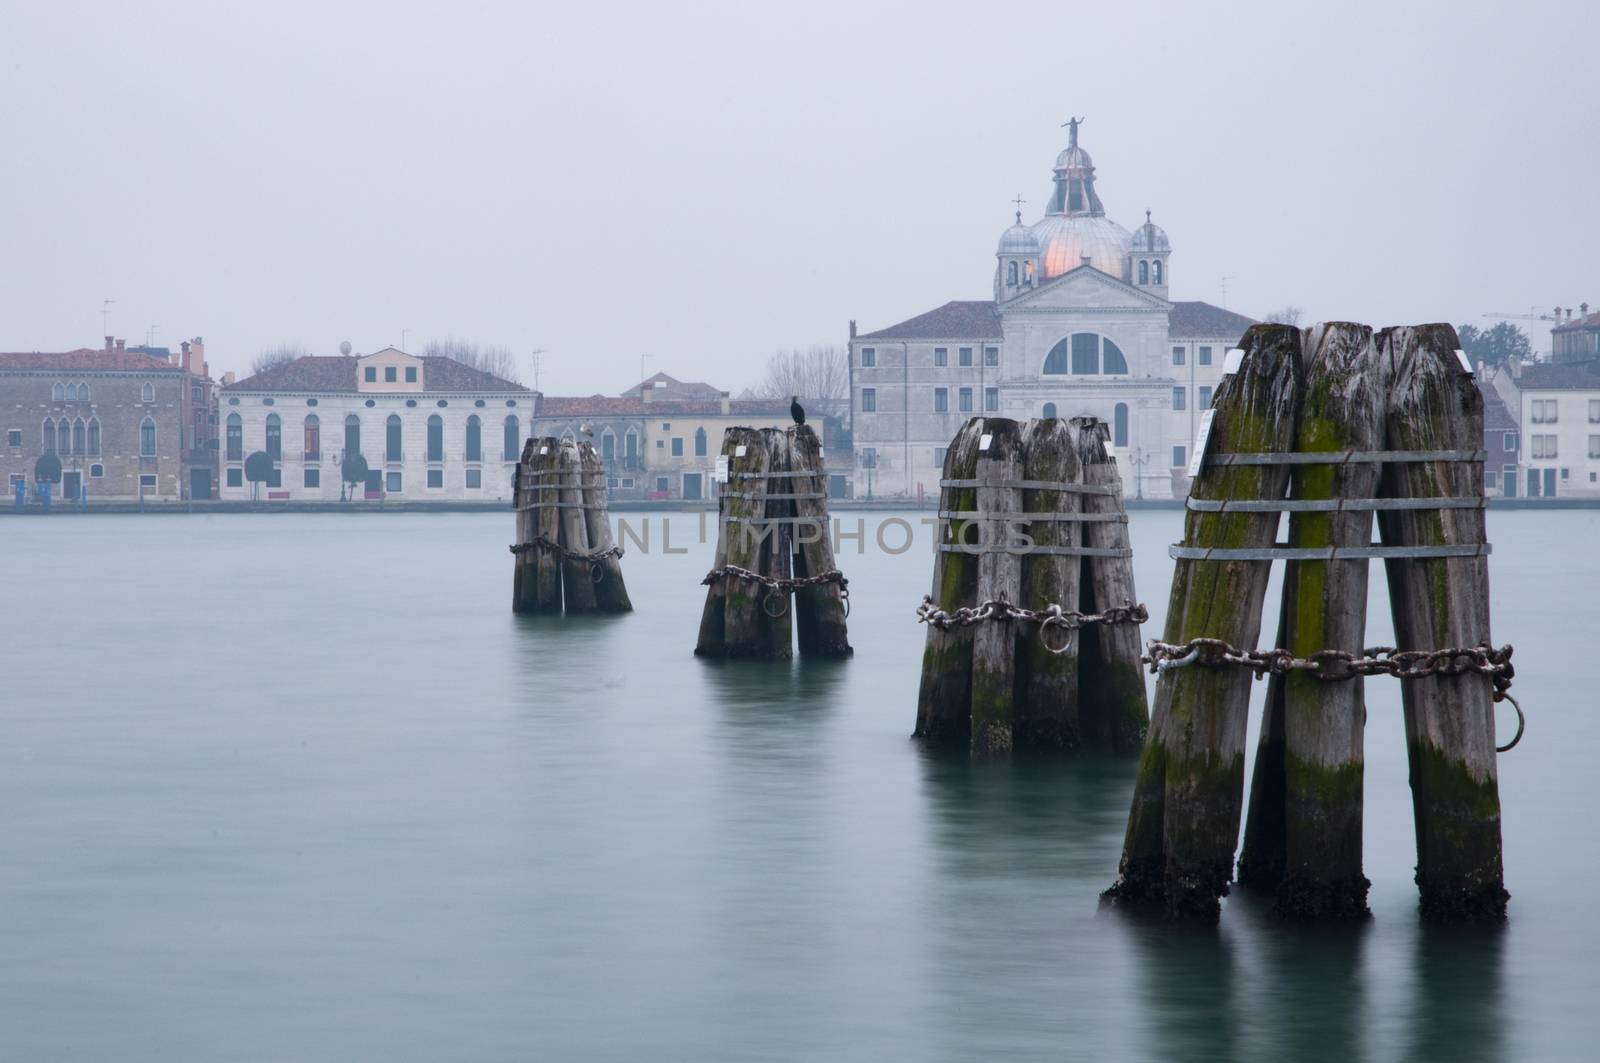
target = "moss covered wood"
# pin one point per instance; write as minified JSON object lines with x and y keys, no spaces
{"x":944,"y":699}
{"x":577,"y":577}
{"x":1047,"y":693}
{"x":999,"y":578}
{"x":819,"y":610}
{"x":1113,"y":704}
{"x":1307,"y":850}
{"x":611,"y":592}
{"x":1184,"y":822}
{"x":1440,"y":602}
{"x":775,"y":622}
{"x":743,"y":538}
{"x":522,"y":571}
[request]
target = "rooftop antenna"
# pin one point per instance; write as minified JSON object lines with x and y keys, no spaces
{"x":1225,"y":279}
{"x":537,"y":351}
{"x":403,"y":333}
{"x":105,"y":315}
{"x":150,"y":336}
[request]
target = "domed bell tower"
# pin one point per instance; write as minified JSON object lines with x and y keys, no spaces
{"x":1017,"y":269}
{"x":1148,"y":258}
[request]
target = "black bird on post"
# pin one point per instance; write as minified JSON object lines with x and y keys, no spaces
{"x":797,"y":411}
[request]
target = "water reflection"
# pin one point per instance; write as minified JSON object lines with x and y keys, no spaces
{"x":1189,"y":977}
{"x":1313,"y":1003}
{"x":1457,"y":995}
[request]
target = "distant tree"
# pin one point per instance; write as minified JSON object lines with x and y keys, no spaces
{"x":1288,"y":315}
{"x":258,"y":470}
{"x":1503,"y":344}
{"x":493,"y":359}
{"x":352,"y":471}
{"x":282,"y":354}
{"x":820,"y":375}
{"x":47,"y":470}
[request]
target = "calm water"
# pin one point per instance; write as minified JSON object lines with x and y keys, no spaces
{"x":301,"y":787}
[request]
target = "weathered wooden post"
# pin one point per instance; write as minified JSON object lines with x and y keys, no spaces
{"x":563,"y":553}
{"x":944,"y":701}
{"x":1047,"y":712}
{"x":1303,"y":835}
{"x":999,"y":579}
{"x":577,"y":571}
{"x":1442,"y":602}
{"x":1184,"y":823}
{"x":772,"y":495}
{"x":1113,"y":705}
{"x":610,"y":591}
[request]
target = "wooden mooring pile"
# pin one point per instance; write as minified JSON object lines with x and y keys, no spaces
{"x":1033,"y":637}
{"x":774,"y":576}
{"x":563,"y":550}
{"x":1333,"y":425}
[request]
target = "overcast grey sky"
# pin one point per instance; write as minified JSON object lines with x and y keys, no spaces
{"x":703,"y":184}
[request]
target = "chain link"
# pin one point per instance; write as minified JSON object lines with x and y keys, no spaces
{"x":782,"y":585}
{"x":542,"y":542}
{"x":1052,"y":615}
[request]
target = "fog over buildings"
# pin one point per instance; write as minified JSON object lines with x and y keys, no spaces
{"x":704,"y":186}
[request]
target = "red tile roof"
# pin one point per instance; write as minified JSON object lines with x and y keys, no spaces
{"x":85,"y":358}
{"x":630,"y":406}
{"x":958,"y":320}
{"x":1592,"y":321}
{"x":337,"y":373}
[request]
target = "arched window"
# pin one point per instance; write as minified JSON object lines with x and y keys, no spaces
{"x":1049,"y":410}
{"x":235,"y":437}
{"x":631,"y":444}
{"x":1144,"y":272}
{"x":391,"y":441}
{"x":1088,"y":353}
{"x":474,"y":438}
{"x":1155,"y":270}
{"x":1119,"y":425}
{"x":513,"y":440}
{"x":1027,"y":272}
{"x":147,"y":393}
{"x":147,"y":437}
{"x":58,"y":392}
{"x":1112,"y":360}
{"x":435,"y":438}
{"x":313,"y":438}
{"x":63,"y":437}
{"x":94,"y":436}
{"x":1011,"y":273}
{"x":80,"y":441}
{"x":83,"y":392}
{"x":608,"y":444}
{"x":352,"y":436}
{"x":274,"y":437}
{"x":699,"y":442}
{"x":47,"y":435}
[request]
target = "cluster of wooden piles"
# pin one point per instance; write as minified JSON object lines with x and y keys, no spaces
{"x":1033,"y":638}
{"x":1301,"y":423}
{"x":564,"y":553}
{"x":774,"y":575}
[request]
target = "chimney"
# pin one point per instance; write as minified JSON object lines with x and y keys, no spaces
{"x":726,"y":401}
{"x":1583,"y":309}
{"x":185,"y":362}
{"x":228,"y":378}
{"x":647,"y":394}
{"x":122,"y":345}
{"x":852,"y":328}
{"x":111,"y":343}
{"x":1084,"y":259}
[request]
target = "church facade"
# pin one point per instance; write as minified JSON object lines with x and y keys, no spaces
{"x":1081,"y":323}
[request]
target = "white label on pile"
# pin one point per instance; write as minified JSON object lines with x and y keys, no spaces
{"x":1198,"y":457}
{"x":1233,"y":361}
{"x":739,"y":450}
{"x":721,"y":475}
{"x":983,"y":441}
{"x":1466,"y":364}
{"x":544,"y":450}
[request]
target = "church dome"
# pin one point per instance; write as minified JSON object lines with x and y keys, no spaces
{"x":1018,"y":240}
{"x":1150,"y":238}
{"x":1073,"y":157}
{"x":1067,"y":238}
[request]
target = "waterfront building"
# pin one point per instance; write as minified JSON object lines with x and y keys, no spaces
{"x":1081,"y":322}
{"x":1560,"y":441}
{"x":1575,"y":339}
{"x":125,"y":424}
{"x":430,"y":428}
{"x":1502,"y":443}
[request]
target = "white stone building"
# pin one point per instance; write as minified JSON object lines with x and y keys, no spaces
{"x":430,"y":429}
{"x":1081,"y":323}
{"x":1560,"y":417}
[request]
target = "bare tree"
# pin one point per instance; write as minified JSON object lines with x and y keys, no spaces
{"x":1289,"y":315}
{"x":819,"y":374}
{"x":496,"y":360}
{"x":282,"y":354}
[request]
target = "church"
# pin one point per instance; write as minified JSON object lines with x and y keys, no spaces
{"x":1081,"y":323}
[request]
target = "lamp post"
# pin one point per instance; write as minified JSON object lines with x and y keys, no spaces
{"x":1138,"y":459}
{"x":869,"y":462}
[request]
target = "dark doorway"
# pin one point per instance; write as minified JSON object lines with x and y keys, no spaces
{"x":71,"y":485}
{"x":691,"y":485}
{"x":200,"y":483}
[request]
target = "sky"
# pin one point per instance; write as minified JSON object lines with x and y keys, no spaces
{"x":687,"y":188}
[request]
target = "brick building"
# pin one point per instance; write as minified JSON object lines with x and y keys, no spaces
{"x":125,"y":424}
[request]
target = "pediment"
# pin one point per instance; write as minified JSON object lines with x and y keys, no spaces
{"x":1086,"y":288}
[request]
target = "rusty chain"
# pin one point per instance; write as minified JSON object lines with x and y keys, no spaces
{"x":1052,"y":615}
{"x":593,"y":559}
{"x":778,"y":587}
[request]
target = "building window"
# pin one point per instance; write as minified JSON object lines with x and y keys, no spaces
{"x":352,"y":436}
{"x":677,"y":446}
{"x":435,"y":478}
{"x":991,"y":400}
{"x":939,"y":455}
{"x":97,"y":471}
{"x":941,"y":400}
{"x":1119,"y":425}
{"x":1144,"y":271}
{"x":869,"y":400}
{"x":274,"y":437}
{"x":1205,"y":356}
{"x":1594,"y":411}
{"x":964,"y":400}
{"x":58,"y":392}
{"x":869,"y":357}
{"x":1090,"y":353}
{"x":699,"y":442}
{"x":513,"y":438}
{"x":964,"y":356}
{"x":435,"y":440}
{"x":1509,"y":443}
{"x":1177,"y":355}
{"x":147,"y":393}
{"x":392,"y":439}
{"x":1011,"y":274}
{"x":275,"y":477}
{"x":1155,"y":271}
{"x":1049,"y":410}
{"x":630,"y":445}
{"x":47,"y":436}
{"x":1544,"y":411}
{"x":370,"y":374}
{"x":80,"y":443}
{"x":1544,"y":446}
{"x":390,"y":374}
{"x":14,"y":437}
{"x":1594,"y":446}
{"x":941,"y":356}
{"x":194,"y":393}
{"x":411,"y":374}
{"x":313,"y":477}
{"x":313,"y":435}
{"x":608,"y":444}
{"x":475,"y":439}
{"x":661,"y":484}
{"x":1180,"y":456}
{"x":1178,"y":397}
{"x":235,"y":476}
{"x":661,"y":444}
{"x":869,"y":457}
{"x":64,"y":436}
{"x":94,"y":436}
{"x":147,"y":479}
{"x":627,"y":483}
{"x":1205,"y":398}
{"x":147,"y":438}
{"x":474,"y":478}
{"x":991,"y":356}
